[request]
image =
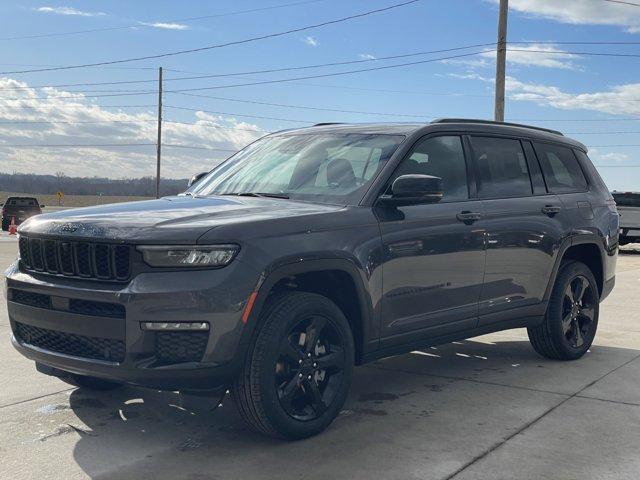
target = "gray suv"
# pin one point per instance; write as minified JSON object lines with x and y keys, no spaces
{"x":314,"y":250}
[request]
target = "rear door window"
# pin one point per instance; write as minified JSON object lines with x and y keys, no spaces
{"x":502,"y":167}
{"x":560,"y":168}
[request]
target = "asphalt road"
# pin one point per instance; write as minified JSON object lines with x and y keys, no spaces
{"x":485,"y":408}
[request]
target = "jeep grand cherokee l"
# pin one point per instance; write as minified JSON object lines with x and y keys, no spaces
{"x":314,"y":250}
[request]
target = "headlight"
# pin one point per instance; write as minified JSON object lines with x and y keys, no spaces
{"x":188,"y":256}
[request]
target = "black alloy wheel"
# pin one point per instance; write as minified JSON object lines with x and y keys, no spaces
{"x":578,"y":311}
{"x":297,"y":371}
{"x":309,"y":368}
{"x":571,"y":321}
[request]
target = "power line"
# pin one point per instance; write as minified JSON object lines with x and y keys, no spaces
{"x":305,"y":107}
{"x":304,"y":67}
{"x":612,"y":146}
{"x":560,"y":52}
{"x":108,"y":122}
{"x":623,"y":3}
{"x":144,"y":24}
{"x":601,"y":133}
{"x":74,"y":145}
{"x":252,"y":72}
{"x":110,"y":145}
{"x":29,"y":107}
{"x":325,"y":75}
{"x":80,"y":95}
{"x":221,"y":45}
{"x":71,"y":122}
{"x":206,"y":125}
{"x":194,"y":147}
{"x":308,"y":122}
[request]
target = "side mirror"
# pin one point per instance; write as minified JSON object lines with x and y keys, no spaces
{"x":196,"y":178}
{"x":414,"y":190}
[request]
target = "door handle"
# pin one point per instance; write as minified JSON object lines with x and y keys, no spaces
{"x":551,"y":210}
{"x":468,"y":217}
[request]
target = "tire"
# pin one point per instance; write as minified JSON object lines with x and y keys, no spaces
{"x":299,"y":333}
{"x":571,"y":321}
{"x":90,"y":383}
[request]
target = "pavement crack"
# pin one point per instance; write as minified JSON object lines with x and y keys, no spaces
{"x":608,"y":400}
{"x":19,"y":402}
{"x":529,"y":424}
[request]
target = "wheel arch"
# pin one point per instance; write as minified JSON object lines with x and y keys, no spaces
{"x":584,"y":248}
{"x":337,"y":279}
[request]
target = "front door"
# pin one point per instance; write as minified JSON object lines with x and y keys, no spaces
{"x":434,"y":254}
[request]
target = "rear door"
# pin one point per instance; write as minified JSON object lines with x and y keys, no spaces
{"x":524,"y":225}
{"x":433,"y":254}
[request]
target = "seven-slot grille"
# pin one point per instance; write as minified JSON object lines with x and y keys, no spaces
{"x":76,"y":259}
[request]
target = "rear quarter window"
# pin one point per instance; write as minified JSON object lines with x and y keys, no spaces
{"x":560,"y":168}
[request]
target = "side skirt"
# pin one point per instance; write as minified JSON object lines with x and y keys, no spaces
{"x":521,"y":322}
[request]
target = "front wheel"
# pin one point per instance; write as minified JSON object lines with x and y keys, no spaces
{"x":297,"y":373}
{"x":571,"y":321}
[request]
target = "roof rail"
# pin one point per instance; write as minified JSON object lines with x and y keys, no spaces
{"x":322,"y":124}
{"x":491,"y":122}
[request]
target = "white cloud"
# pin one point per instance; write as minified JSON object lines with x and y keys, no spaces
{"x":167,"y":26}
{"x":580,"y":12}
{"x":69,"y":11}
{"x":597,"y":156}
{"x":88,"y":123}
{"x":619,"y":100}
{"x":311,"y":41}
{"x":367,"y":56}
{"x":471,"y":76}
{"x":537,"y":55}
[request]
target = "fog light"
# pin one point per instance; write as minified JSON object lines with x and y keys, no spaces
{"x":175,"y":326}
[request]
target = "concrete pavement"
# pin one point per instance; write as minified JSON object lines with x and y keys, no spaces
{"x":486,"y":408}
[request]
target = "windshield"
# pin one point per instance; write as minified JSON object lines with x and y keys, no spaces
{"x":325,"y":167}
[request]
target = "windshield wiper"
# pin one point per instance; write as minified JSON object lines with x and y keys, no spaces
{"x":259,"y":194}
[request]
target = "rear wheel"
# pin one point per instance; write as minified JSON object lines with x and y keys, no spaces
{"x":90,"y":383}
{"x":298,"y":370}
{"x":571,"y":320}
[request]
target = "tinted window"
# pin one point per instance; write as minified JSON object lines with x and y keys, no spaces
{"x":502,"y":167}
{"x":441,"y":157}
{"x":22,"y":202}
{"x":560,"y":168}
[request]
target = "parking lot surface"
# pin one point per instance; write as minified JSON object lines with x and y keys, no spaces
{"x":485,"y":408}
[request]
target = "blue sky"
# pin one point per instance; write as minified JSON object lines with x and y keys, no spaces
{"x":585,"y":96}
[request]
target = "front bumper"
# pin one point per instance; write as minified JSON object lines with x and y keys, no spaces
{"x":110,"y":343}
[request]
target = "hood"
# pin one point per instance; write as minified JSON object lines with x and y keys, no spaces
{"x":180,"y":219}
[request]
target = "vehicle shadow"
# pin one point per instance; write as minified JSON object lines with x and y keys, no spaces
{"x":428,"y":412}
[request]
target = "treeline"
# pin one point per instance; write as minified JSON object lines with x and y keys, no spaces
{"x":50,"y":184}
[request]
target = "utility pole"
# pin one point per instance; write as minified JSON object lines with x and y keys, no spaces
{"x":159,"y":145}
{"x":501,"y":60}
